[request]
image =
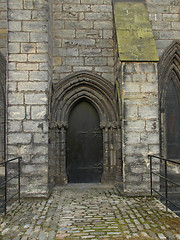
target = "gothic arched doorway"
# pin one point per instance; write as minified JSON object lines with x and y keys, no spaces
{"x":169,"y":89}
{"x":84,"y":145}
{"x":86,"y":93}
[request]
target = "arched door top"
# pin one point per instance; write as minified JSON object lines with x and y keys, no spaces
{"x":84,"y":85}
{"x":169,"y":65}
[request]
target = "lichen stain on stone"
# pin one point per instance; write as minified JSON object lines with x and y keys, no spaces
{"x":134,"y":34}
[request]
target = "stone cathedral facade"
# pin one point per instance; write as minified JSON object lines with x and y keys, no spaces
{"x":88,"y":89}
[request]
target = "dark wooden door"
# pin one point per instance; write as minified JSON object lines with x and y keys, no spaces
{"x":84,"y":145}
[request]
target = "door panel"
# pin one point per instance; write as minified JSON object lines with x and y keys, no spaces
{"x":84,"y":145}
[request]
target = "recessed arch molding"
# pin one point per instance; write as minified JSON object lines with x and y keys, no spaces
{"x":100,"y":93}
{"x":169,"y":72}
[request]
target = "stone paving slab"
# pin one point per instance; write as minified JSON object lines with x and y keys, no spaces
{"x":85,"y":211}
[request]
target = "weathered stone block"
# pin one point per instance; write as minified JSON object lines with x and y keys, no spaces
{"x":152,"y":126}
{"x":134,"y":125}
{"x":39,"y":15}
{"x":152,"y":77}
{"x":38,"y":112}
{"x":175,"y":26}
{"x":16,"y":112}
{"x":27,"y":66}
{"x":37,"y":99}
{"x":129,"y":67}
{"x":11,"y":86}
{"x":16,"y":138}
{"x":39,"y":75}
{"x":34,"y":126}
{"x":43,"y":66}
{"x":103,"y":25}
{"x":138,"y":149}
{"x":73,"y":61}
{"x":148,"y":112}
{"x":90,"y":52}
{"x":148,"y":87}
{"x":77,"y":25}
{"x":28,"y":48}
{"x":14,"y":126}
{"x":18,"y":75}
{"x":150,"y":138}
{"x":32,"y":86}
{"x":15,"y":26}
{"x":40,"y":159}
{"x":76,"y":8}
{"x":166,"y":35}
{"x":90,"y":33}
{"x":107,"y":34}
{"x":39,"y":37}
{"x":19,"y":15}
{"x":42,"y":139}
{"x":15,"y":4}
{"x":132,"y":138}
{"x":36,"y":26}
{"x":17,"y":57}
{"x":131,"y":87}
{"x":99,"y":16}
{"x":101,"y":8}
{"x":92,"y":2}
{"x":78,"y":42}
{"x":147,"y":67}
{"x":15,"y":98}
{"x":14,"y":47}
{"x":139,"y":77}
{"x":96,"y":61}
{"x":38,"y":57}
{"x":82,"y":68}
{"x":130,"y":111}
{"x":170,"y":17}
{"x":42,"y":47}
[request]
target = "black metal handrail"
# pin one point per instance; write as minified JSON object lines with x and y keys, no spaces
{"x":6,"y":180}
{"x":165,"y":178}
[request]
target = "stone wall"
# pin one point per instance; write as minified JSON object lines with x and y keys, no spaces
{"x":61,"y":37}
{"x":28,"y":91}
{"x":165,"y":20}
{"x":140,"y":130}
{"x":3,"y":27}
{"x":82,"y":34}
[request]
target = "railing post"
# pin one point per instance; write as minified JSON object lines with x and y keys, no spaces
{"x":19,"y":182}
{"x":166,"y":185}
{"x":150,"y":158}
{"x":5,"y":186}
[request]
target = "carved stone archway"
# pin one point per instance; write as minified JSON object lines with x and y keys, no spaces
{"x":100,"y":93}
{"x":169,"y":71}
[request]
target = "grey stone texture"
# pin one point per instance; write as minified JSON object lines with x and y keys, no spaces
{"x":137,"y":109}
{"x":28,"y":90}
{"x":165,"y":17}
{"x":48,"y":41}
{"x":3,"y":27}
{"x":78,"y":26}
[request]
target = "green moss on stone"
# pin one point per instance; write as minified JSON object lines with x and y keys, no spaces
{"x":134,"y":34}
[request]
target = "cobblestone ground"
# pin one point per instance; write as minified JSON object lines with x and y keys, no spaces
{"x":89,"y":212}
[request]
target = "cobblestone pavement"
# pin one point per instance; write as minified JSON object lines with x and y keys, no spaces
{"x":89,"y":212}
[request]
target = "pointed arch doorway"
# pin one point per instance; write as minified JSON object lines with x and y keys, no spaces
{"x":85,"y":131}
{"x":84,"y":145}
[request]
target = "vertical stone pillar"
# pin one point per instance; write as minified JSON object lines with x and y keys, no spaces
{"x":140,"y":131}
{"x":105,"y":154}
{"x":63,"y":155}
{"x":28,"y":85}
